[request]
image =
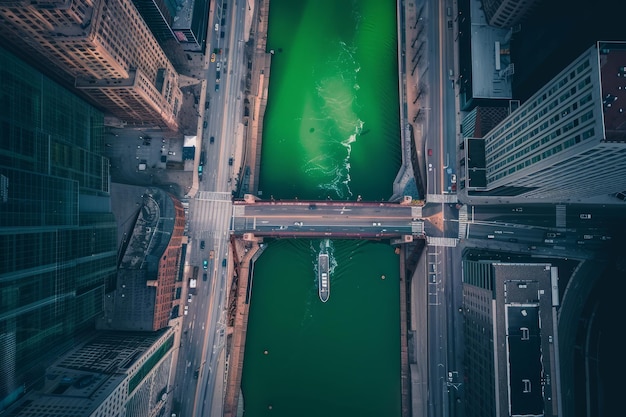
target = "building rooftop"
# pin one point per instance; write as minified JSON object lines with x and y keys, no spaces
{"x":612,"y":57}
{"x":491,"y":59}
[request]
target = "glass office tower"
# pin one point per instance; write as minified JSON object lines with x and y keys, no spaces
{"x":57,"y":232}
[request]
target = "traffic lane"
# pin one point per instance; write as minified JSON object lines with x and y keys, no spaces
{"x":320,"y":209}
{"x":503,"y":233}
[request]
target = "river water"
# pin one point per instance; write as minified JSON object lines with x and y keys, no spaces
{"x":331,"y":131}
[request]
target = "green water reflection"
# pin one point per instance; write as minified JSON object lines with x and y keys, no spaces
{"x":339,"y":358}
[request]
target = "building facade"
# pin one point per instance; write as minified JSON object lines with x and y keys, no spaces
{"x":568,"y":141}
{"x":507,"y":13}
{"x":511,"y":343}
{"x":122,"y":374}
{"x":106,"y":48}
{"x":57,"y":233}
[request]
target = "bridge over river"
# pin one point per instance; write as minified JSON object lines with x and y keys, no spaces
{"x":336,"y":219}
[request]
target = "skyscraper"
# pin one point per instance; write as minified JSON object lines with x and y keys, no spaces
{"x":507,"y":13}
{"x":511,"y":339}
{"x":106,"y":48}
{"x":568,"y":141}
{"x":57,"y":232}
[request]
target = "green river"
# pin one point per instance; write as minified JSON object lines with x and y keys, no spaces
{"x":331,"y":131}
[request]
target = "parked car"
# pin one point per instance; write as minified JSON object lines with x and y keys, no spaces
{"x":213,"y":57}
{"x":204,"y":124}
{"x":205,"y":264}
{"x":224,"y":262}
{"x":298,"y":223}
{"x":204,"y":277}
{"x":202,"y":244}
{"x":430,"y":152}
{"x":230,"y":161}
{"x":212,"y":139}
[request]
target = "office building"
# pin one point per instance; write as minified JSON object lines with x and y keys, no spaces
{"x":182,"y":21}
{"x":57,"y":232}
{"x":485,"y":64}
{"x":507,"y":13}
{"x":149,"y":277}
{"x":511,"y":341}
{"x":112,"y":374}
{"x":567,"y":142}
{"x":105,"y":48}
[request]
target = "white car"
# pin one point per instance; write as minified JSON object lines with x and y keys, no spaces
{"x":430,"y":167}
{"x":186,"y":311}
{"x":298,"y":223}
{"x":218,"y":66}
{"x":375,"y":224}
{"x":217,"y":27}
{"x":585,"y":216}
{"x":453,"y":179}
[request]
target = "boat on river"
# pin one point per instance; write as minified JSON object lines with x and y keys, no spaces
{"x":323,"y":279}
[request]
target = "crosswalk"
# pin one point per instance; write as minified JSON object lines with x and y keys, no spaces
{"x":560,"y":215}
{"x":462,"y":222}
{"x":442,"y":198}
{"x":210,"y":214}
{"x":441,"y":241}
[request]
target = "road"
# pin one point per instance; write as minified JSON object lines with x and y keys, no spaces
{"x":210,"y":213}
{"x":325,"y":219}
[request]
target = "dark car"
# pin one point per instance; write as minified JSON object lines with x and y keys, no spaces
{"x":202,"y":244}
{"x":196,"y":373}
{"x":230,"y":161}
{"x":222,"y":35}
{"x":212,"y":139}
{"x":224,"y":262}
{"x":204,"y":125}
{"x":217,"y":87}
{"x":204,"y":277}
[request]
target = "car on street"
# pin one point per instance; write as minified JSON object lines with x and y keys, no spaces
{"x":189,"y":298}
{"x":550,"y":234}
{"x":585,"y":216}
{"x":430,"y":152}
{"x":298,"y":223}
{"x":217,"y":87}
{"x":213,"y":57}
{"x":186,"y":310}
{"x":217,"y":67}
{"x":204,"y":277}
{"x":430,"y":167}
{"x":204,"y":124}
{"x":224,"y":262}
{"x":205,"y":264}
{"x":196,"y":373}
{"x":518,"y":209}
{"x":230,"y":161}
{"x":202,"y":244}
{"x":222,"y":34}
{"x":217,"y":27}
{"x":376,"y":224}
{"x":211,"y":254}
{"x":453,"y":179}
{"x":212,"y":139}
